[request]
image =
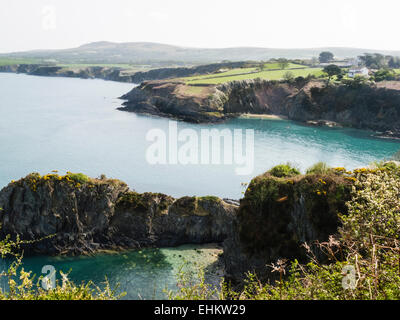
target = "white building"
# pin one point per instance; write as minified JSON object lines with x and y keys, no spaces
{"x":363,"y":72}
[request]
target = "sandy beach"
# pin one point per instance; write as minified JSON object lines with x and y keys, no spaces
{"x":262,"y":116}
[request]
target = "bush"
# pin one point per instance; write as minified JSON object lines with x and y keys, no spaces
{"x":284,"y":170}
{"x":318,"y":168}
{"x":79,"y":177}
{"x":384,"y":74}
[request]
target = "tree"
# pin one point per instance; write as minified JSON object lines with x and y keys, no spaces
{"x":283,"y":63}
{"x":384,"y":74}
{"x":325,"y":56}
{"x":288,"y":76}
{"x":374,"y":60}
{"x":332,"y":70}
{"x":394,"y":62}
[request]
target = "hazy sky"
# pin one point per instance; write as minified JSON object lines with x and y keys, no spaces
{"x":54,"y":24}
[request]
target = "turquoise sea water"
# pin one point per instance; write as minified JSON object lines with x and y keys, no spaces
{"x":144,"y":274}
{"x":73,"y":125}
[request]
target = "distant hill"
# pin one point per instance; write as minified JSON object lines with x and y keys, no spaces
{"x":146,"y":52}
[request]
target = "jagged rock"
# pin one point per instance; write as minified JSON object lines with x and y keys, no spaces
{"x":94,"y":214}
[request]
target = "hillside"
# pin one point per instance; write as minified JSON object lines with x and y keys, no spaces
{"x":146,"y":52}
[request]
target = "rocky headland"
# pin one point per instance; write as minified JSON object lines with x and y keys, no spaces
{"x":371,"y":107}
{"x":310,"y":101}
{"x":74,"y":214}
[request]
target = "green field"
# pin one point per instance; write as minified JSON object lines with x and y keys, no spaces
{"x":11,"y":61}
{"x":269,"y":73}
{"x":128,"y":67}
{"x":85,"y":65}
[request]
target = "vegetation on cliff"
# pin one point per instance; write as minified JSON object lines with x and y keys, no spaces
{"x":358,"y":260}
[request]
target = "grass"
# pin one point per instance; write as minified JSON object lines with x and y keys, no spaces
{"x":193,"y":91}
{"x":11,"y":61}
{"x":269,"y":73}
{"x":130,"y":67}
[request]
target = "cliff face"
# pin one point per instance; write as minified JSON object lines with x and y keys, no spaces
{"x":176,"y":100}
{"x":83,"y":216}
{"x":277,"y":215}
{"x":364,"y":107}
{"x":257,"y":96}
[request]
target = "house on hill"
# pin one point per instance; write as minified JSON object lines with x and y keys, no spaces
{"x":363,"y":72}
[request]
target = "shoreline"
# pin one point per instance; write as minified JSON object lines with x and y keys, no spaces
{"x":262,"y":116}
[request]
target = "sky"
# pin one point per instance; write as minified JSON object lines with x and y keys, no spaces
{"x":58,"y":24}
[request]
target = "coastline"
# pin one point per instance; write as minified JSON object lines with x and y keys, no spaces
{"x":262,"y":116}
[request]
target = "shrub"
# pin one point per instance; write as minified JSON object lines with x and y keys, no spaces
{"x":79,"y":177}
{"x":318,"y":168}
{"x":284,"y":170}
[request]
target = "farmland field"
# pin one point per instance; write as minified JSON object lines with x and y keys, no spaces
{"x":11,"y":61}
{"x":270,"y":72}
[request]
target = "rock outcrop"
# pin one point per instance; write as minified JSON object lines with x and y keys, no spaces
{"x":81,"y":215}
{"x":278,"y":215}
{"x":176,"y":100}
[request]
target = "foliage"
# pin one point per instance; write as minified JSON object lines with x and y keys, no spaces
{"x":374,"y":60}
{"x":79,"y":177}
{"x":318,"y":168}
{"x":193,"y":287}
{"x":355,"y":83}
{"x":283,"y":63}
{"x":325,"y":56}
{"x":332,"y":70}
{"x":284,"y":170}
{"x":384,"y":74}
{"x":288,"y":76}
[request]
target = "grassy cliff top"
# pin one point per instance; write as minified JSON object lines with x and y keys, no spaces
{"x":271,"y":71}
